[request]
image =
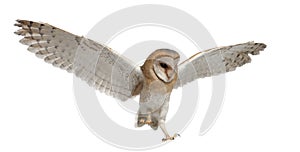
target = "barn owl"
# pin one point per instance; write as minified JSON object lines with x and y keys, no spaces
{"x":117,"y":76}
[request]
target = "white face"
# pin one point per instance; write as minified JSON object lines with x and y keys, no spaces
{"x":165,"y":68}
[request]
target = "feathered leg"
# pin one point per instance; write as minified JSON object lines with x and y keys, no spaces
{"x":162,"y":125}
{"x":163,"y":128}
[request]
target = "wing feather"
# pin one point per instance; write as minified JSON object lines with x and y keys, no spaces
{"x":94,"y":63}
{"x":216,"y":61}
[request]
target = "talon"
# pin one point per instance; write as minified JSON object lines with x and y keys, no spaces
{"x":171,"y":138}
{"x":176,"y":135}
{"x":168,"y":138}
{"x":149,"y":122}
{"x":165,"y":139}
{"x":142,"y":121}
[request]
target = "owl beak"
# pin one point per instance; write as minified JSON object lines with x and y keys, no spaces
{"x":174,"y":65}
{"x":171,"y":72}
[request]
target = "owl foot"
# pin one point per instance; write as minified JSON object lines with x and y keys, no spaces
{"x":170,"y":138}
{"x":148,"y":122}
{"x":141,"y":122}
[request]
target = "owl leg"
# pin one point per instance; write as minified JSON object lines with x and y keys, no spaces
{"x":163,"y":128}
{"x":141,"y":120}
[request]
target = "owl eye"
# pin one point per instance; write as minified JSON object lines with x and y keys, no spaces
{"x":163,"y":65}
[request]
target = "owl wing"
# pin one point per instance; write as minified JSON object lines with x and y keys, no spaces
{"x":216,"y":61}
{"x":98,"y":65}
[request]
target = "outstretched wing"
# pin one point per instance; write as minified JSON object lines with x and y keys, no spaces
{"x":94,"y":63}
{"x":216,"y":61}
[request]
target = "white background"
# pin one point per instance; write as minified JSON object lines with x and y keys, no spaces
{"x":261,"y":109}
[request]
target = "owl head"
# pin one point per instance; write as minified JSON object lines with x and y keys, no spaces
{"x":161,"y":64}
